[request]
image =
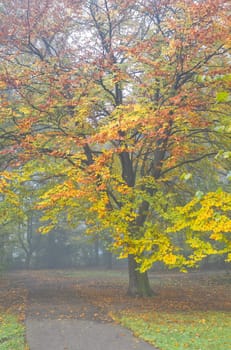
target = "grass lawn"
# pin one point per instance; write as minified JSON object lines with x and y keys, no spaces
{"x":11,"y":333}
{"x":182,"y":330}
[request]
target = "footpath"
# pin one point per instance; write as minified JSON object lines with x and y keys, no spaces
{"x":60,"y":319}
{"x":72,"y":334}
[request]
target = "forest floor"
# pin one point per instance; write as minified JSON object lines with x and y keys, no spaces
{"x":77,"y":309}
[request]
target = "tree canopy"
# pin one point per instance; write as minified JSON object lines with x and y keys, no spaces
{"x":118,"y":104}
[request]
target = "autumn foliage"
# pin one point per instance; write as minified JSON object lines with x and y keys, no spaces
{"x":116,"y":102}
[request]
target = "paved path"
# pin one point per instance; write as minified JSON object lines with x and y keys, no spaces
{"x":72,"y":334}
{"x":59,"y":318}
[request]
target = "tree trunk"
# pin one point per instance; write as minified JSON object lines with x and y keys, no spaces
{"x":28,"y":260}
{"x":108,"y":259}
{"x":138,"y":282}
{"x":96,"y":249}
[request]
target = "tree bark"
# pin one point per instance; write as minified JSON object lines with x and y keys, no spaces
{"x":108,"y":259}
{"x":96,"y":249}
{"x":138,"y":282}
{"x":28,"y":260}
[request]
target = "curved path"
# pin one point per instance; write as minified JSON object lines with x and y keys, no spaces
{"x":58,"y":318}
{"x":76,"y":334}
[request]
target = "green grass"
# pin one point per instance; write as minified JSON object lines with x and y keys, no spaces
{"x":181,"y":331}
{"x":12,"y":333}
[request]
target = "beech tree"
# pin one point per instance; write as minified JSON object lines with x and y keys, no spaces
{"x":124,"y":97}
{"x":209,"y":217}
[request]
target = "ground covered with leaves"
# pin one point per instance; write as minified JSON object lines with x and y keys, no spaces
{"x":188,"y":311}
